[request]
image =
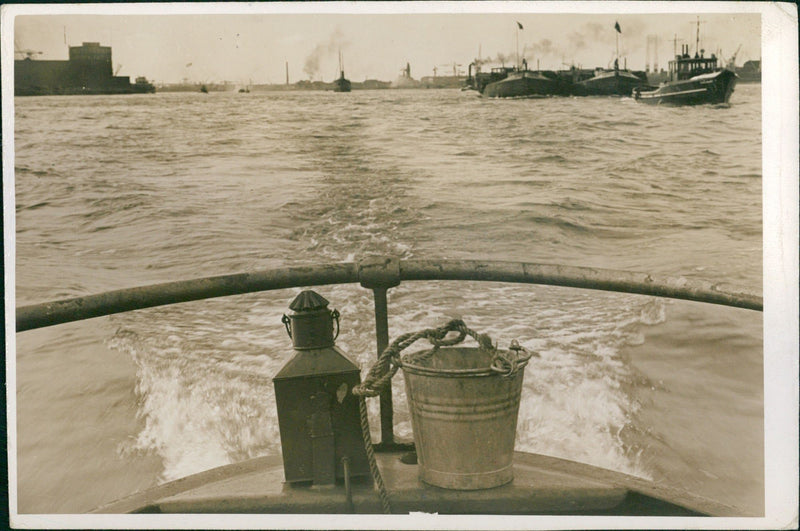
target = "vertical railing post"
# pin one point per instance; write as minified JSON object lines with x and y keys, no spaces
{"x":379,"y":274}
{"x":382,"y":338}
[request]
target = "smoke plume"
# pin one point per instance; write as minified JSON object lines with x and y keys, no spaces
{"x":325,"y":54}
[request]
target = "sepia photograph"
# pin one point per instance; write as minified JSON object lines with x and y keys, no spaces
{"x":401,"y":265}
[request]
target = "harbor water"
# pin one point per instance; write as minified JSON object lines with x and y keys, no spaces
{"x":122,"y":191}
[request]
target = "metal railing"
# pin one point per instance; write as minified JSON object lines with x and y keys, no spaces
{"x":379,"y":274}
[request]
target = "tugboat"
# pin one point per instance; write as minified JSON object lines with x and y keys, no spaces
{"x":692,"y":80}
{"x":341,"y":84}
{"x":480,"y":79}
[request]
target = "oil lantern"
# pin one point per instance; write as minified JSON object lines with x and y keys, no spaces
{"x":318,"y":414}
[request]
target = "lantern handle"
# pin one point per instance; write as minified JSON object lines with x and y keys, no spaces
{"x":288,"y":324}
{"x":335,"y":315}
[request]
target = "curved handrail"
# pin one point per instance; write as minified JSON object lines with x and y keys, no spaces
{"x":387,"y":273}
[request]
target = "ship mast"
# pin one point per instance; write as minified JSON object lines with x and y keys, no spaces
{"x":697,"y":40}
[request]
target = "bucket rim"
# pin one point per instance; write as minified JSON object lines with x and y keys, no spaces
{"x":480,"y":371}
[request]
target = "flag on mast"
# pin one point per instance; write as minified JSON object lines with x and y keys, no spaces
{"x":520,"y":25}
{"x":616,"y":27}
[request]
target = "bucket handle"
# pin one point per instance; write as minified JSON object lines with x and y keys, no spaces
{"x":389,"y":361}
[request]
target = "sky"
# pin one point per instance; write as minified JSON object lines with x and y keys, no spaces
{"x":252,"y":43}
{"x":228,"y":43}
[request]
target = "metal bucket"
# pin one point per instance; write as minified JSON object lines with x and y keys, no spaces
{"x":464,"y":417}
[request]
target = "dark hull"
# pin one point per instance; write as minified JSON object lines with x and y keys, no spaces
{"x":610,"y":83}
{"x":526,"y":85}
{"x":341,"y":85}
{"x":713,"y":88}
{"x":85,"y":91}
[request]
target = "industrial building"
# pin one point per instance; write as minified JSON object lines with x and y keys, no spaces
{"x":88,"y":71}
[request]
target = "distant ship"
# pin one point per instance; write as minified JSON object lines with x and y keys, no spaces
{"x":142,"y":86}
{"x":341,"y":84}
{"x":405,"y":80}
{"x":749,"y":72}
{"x":693,"y":81}
{"x":88,"y":71}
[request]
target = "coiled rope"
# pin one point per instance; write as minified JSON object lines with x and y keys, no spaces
{"x":389,"y":362}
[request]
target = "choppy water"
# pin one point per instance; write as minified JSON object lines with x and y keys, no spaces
{"x":116,"y":192}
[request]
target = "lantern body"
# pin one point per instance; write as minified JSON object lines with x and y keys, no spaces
{"x":318,"y":414}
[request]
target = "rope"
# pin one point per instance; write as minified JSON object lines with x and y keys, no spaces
{"x":373,"y":464}
{"x":381,"y":374}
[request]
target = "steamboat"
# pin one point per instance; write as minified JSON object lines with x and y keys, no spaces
{"x":692,"y":80}
{"x":341,"y":84}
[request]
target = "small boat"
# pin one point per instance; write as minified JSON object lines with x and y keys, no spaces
{"x":692,"y":80}
{"x":143,"y":86}
{"x":341,"y":84}
{"x":340,"y":473}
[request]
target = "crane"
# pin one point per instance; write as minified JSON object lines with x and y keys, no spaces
{"x":731,"y":64}
{"x":455,"y":67}
{"x":119,"y":67}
